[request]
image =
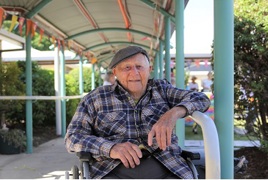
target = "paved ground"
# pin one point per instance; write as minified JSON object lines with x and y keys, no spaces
{"x":48,"y":161}
{"x":51,"y":160}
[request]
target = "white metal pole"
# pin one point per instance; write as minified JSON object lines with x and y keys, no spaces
{"x":57,"y":90}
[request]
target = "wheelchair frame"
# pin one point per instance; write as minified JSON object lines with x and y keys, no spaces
{"x":211,"y":146}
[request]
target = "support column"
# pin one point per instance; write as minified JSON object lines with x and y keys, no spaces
{"x":93,"y":77}
{"x":81,"y":80}
{"x":57,"y":90}
{"x":179,"y":15}
{"x":63,"y":92}
{"x":99,"y":79}
{"x":224,"y":82}
{"x":167,"y":49}
{"x":156,"y":66}
{"x":161,"y":62}
{"x":29,"y":103}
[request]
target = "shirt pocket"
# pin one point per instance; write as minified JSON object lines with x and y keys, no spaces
{"x":153,"y":112}
{"x":111,"y":124}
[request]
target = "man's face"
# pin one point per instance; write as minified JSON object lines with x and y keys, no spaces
{"x":133,"y":74}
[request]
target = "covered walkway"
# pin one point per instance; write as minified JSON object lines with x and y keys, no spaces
{"x":97,"y":29}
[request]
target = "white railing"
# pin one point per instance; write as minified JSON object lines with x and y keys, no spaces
{"x":39,"y":97}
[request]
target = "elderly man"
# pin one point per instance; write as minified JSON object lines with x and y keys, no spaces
{"x":115,"y":123}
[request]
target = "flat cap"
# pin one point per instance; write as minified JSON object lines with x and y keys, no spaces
{"x":125,"y":53}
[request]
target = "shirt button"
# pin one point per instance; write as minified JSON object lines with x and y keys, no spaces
{"x":112,"y":166}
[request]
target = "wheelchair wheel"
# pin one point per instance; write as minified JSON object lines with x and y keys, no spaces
{"x":85,"y":170}
{"x":67,"y":175}
{"x":75,"y":172}
{"x":193,"y":168}
{"x":201,"y":171}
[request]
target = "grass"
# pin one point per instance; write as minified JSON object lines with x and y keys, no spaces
{"x":189,"y":135}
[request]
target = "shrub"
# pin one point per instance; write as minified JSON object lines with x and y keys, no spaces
{"x":14,"y":137}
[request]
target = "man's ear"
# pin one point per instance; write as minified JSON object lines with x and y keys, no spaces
{"x":114,"y":72}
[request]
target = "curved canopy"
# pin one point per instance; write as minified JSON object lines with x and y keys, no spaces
{"x":99,"y":27}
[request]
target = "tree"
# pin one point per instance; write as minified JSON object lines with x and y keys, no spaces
{"x":251,"y":64}
{"x":254,"y":10}
{"x":72,"y":87}
{"x":42,"y":85}
{"x":10,"y":84}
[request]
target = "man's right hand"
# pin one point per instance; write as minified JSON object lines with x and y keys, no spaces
{"x":128,"y":153}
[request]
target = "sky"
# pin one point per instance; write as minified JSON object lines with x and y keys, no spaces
{"x":198,"y":23}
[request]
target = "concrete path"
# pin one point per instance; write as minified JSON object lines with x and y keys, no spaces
{"x":50,"y":161}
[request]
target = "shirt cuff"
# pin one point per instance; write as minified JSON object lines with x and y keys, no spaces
{"x":189,"y":108}
{"x":105,"y":148}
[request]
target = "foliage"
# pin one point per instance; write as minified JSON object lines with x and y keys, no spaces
{"x":44,"y":44}
{"x":42,"y":85}
{"x":14,"y":137}
{"x":9,"y":79}
{"x":251,"y":64}
{"x":186,"y":76}
{"x":254,"y":10}
{"x":10,"y":84}
{"x":72,"y":88}
{"x":264,"y":144}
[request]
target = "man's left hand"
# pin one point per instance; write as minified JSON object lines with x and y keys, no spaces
{"x":163,"y":128}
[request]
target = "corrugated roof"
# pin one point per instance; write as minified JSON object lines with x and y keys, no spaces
{"x":100,"y":27}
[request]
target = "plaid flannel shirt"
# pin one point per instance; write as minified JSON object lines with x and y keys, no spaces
{"x":108,"y":115}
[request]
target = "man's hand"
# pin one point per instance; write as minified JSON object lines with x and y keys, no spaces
{"x":128,"y":153}
{"x":162,"y":129}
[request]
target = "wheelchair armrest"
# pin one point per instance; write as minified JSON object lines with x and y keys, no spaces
{"x":192,"y":155}
{"x":211,"y":144}
{"x":84,"y":156}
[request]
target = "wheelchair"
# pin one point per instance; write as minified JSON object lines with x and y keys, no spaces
{"x":204,"y":163}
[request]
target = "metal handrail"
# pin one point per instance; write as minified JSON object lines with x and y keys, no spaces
{"x":39,"y":97}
